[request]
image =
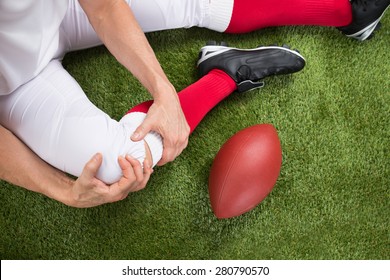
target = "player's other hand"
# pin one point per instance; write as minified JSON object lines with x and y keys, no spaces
{"x":88,"y":191}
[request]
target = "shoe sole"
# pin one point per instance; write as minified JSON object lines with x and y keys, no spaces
{"x":366,"y":32}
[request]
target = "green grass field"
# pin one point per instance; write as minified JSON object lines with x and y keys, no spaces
{"x":332,"y":197}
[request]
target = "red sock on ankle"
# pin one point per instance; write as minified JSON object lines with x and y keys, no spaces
{"x":249,"y":15}
{"x":200,"y":97}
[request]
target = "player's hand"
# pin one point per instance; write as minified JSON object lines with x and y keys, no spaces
{"x":88,"y":191}
{"x":166,"y":117}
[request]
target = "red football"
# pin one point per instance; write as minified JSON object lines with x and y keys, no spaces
{"x":245,"y":170}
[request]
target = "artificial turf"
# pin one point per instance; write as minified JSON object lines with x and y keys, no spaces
{"x":331,"y":200}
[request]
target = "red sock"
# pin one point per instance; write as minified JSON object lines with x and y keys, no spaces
{"x":249,"y":15}
{"x":199,"y":98}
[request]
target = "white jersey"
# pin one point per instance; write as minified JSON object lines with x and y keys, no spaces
{"x":29,"y":37}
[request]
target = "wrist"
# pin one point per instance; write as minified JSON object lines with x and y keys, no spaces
{"x":162,"y":89}
{"x":59,"y":187}
{"x":66,"y":192}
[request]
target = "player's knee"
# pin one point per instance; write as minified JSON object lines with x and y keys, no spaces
{"x":114,"y":147}
{"x":109,"y":171}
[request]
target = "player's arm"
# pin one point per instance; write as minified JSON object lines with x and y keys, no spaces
{"x":117,"y":27}
{"x":21,"y":167}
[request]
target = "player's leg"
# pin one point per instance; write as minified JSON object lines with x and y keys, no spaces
{"x":249,"y":15}
{"x":239,"y":16}
{"x":200,"y":97}
{"x":52,"y":115}
{"x":357,"y":18}
{"x":155,"y":15}
{"x":152,"y":15}
{"x":224,"y":70}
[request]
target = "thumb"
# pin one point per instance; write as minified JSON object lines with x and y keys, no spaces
{"x":141,"y":131}
{"x":92,"y":166}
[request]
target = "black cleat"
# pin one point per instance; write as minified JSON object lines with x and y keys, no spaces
{"x":366,"y":16}
{"x":247,"y":67}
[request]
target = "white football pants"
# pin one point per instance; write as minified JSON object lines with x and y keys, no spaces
{"x":52,"y":115}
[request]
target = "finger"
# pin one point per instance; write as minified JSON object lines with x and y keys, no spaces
{"x":121,"y":189}
{"x":141,"y":131}
{"x":91,"y":168}
{"x":138,"y":173}
{"x":147,"y":173}
{"x":126,"y":167}
{"x":130,"y":167}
